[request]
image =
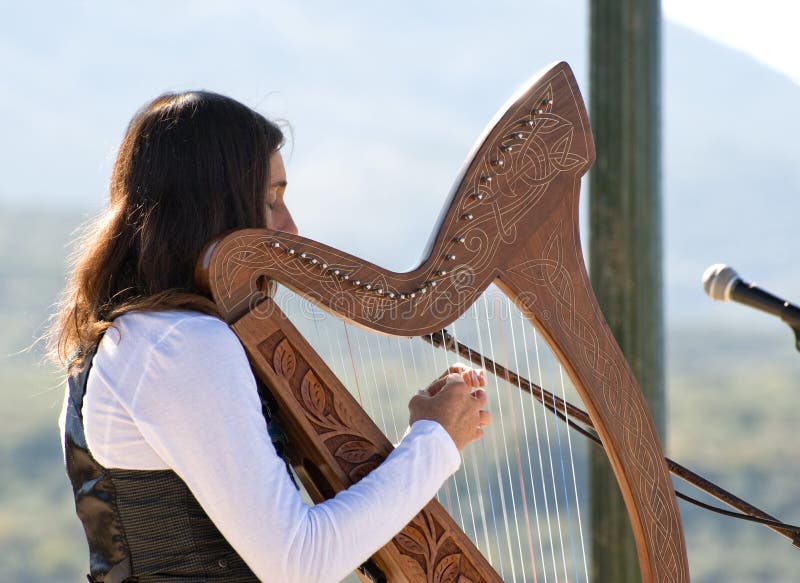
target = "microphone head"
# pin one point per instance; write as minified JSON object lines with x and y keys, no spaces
{"x":718,"y":281}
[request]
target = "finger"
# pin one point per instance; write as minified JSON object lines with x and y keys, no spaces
{"x":456,"y":385}
{"x":484,"y":418}
{"x":447,"y":377}
{"x":470,"y":377}
{"x":478,"y":433}
{"x":434,"y":387}
{"x":454,"y":379}
{"x":456,"y":367}
{"x":481,"y":398}
{"x":481,"y":378}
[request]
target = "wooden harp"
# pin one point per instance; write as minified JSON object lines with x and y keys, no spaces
{"x":511,"y":220}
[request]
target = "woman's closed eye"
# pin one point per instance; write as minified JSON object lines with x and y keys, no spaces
{"x":275,"y":195}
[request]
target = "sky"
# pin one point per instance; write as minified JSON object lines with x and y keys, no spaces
{"x":384,"y":100}
{"x":390,"y":76}
{"x":764,"y":29}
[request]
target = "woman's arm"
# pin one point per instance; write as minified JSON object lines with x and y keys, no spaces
{"x":198,"y":408}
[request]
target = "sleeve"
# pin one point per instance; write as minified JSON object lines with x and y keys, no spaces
{"x":198,"y":407}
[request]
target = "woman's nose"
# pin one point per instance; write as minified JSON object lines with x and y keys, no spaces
{"x":281,"y":220}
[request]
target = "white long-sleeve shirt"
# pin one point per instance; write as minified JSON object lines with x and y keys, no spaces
{"x":174,"y":390}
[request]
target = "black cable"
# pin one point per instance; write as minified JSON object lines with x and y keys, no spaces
{"x":791,"y":531}
{"x":591,"y":435}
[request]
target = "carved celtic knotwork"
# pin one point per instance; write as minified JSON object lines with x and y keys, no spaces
{"x":622,"y":405}
{"x":538,"y":139}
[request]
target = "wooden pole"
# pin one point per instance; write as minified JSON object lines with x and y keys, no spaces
{"x":625,"y":234}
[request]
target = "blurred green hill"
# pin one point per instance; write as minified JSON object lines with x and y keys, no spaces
{"x":732,"y":395}
{"x":40,"y":538}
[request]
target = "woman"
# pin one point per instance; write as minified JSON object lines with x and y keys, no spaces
{"x":174,"y":472}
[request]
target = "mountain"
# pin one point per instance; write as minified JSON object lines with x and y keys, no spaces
{"x":731,"y":173}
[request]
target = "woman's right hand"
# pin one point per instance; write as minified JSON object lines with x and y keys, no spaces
{"x":455,"y":401}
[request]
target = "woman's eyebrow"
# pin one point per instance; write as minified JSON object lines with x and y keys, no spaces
{"x":282,"y":183}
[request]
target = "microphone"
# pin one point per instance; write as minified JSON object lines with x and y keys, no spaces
{"x":722,"y":283}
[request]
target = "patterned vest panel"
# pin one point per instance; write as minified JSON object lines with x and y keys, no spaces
{"x":142,"y":526}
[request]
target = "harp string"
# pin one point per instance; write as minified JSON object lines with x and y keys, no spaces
{"x":526,"y":434}
{"x":554,"y":475}
{"x":443,"y":367}
{"x":563,"y":490}
{"x":460,"y":471}
{"x":550,"y":459}
{"x":504,"y":435}
{"x":389,"y":399}
{"x":506,"y":506}
{"x":574,"y":487}
{"x":493,"y":440}
{"x":521,"y":472}
{"x":473,"y":457}
{"x":537,"y":433}
{"x":465,"y":480}
{"x":376,"y":386}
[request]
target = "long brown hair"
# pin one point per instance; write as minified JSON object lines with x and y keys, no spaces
{"x":191,"y":166}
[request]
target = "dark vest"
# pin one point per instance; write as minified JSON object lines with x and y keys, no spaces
{"x":145,"y":526}
{"x":142,"y":526}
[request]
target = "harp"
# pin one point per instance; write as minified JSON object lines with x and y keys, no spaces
{"x":512,"y":221}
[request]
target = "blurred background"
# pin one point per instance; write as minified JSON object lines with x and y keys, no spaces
{"x":384,"y":102}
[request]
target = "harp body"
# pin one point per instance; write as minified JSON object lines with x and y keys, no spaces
{"x":511,"y":220}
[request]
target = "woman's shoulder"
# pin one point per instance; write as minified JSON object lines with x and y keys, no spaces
{"x":170,"y":330}
{"x":150,"y":357}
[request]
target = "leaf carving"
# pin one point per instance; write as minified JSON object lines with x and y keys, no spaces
{"x":412,"y":568}
{"x":361,"y":470}
{"x":313,"y":395}
{"x":343,"y":413}
{"x":284,"y":361}
{"x":356,"y":451}
{"x":447,"y":569}
{"x":411,"y":540}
